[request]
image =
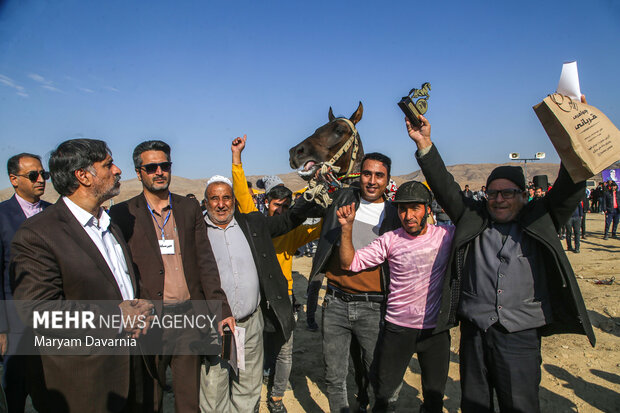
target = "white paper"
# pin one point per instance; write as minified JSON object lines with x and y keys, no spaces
{"x":240,"y":344}
{"x":166,"y":246}
{"x":569,"y":81}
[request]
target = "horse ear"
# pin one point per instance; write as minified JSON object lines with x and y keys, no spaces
{"x":357,"y":115}
{"x":330,"y":115}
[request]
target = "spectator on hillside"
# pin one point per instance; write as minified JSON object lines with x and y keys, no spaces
{"x":467,"y":193}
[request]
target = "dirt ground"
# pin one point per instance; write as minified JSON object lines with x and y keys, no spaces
{"x":575,"y":376}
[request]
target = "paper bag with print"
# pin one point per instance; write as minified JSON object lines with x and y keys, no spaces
{"x":585,"y":139}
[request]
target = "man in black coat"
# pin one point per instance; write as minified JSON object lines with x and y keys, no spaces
{"x":611,"y":207}
{"x":256,"y":289}
{"x":508,"y":282}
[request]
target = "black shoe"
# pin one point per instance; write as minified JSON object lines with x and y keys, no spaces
{"x":576,"y":251}
{"x":276,"y":406}
{"x":312,"y":325}
{"x":605,"y":237}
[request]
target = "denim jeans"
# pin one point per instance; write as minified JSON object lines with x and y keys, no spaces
{"x":279,"y":361}
{"x":611,"y":219}
{"x":573,"y":226}
{"x":342,"y":321}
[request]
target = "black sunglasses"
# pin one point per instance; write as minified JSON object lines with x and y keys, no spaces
{"x":506,"y":193}
{"x":151,"y":168}
{"x":33,"y":176}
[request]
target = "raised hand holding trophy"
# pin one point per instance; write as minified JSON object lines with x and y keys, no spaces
{"x":413,"y":109}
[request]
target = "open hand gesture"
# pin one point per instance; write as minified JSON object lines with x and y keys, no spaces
{"x":346,"y":214}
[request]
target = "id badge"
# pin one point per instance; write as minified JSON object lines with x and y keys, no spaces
{"x":166,"y":246}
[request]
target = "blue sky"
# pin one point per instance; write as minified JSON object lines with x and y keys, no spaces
{"x":199,"y":73}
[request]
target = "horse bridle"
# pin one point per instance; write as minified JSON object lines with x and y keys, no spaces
{"x":319,"y":192}
{"x":353,"y":140}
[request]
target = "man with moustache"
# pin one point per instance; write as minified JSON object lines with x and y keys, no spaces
{"x":256,"y":288}
{"x":28,"y":178}
{"x":71,"y":251}
{"x":508,"y":282}
{"x":418,"y":255}
{"x":168,"y":241}
{"x":278,"y":354}
{"x":352,"y":308}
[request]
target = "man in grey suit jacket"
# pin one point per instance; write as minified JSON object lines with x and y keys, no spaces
{"x":71,"y":251}
{"x":28,"y":178}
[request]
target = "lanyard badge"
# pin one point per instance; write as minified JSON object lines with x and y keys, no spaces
{"x":166,"y":246}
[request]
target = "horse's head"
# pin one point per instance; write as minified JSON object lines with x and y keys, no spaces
{"x":325,"y":142}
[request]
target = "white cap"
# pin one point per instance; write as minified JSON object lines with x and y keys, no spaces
{"x":219,"y":178}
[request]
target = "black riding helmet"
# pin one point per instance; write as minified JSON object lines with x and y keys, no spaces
{"x":413,"y":191}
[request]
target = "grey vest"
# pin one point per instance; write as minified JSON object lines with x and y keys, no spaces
{"x":504,"y":281}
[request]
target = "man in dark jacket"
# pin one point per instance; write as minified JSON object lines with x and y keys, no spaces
{"x":257,"y":292}
{"x":169,"y":246}
{"x":611,"y":207}
{"x":573,"y":226}
{"x":28,"y":179}
{"x":361,"y":293}
{"x":508,"y":282}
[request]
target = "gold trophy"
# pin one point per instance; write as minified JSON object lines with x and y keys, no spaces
{"x":413,"y":109}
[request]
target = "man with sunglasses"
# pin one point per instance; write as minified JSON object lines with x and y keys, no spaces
{"x":508,"y":282}
{"x":168,"y":240}
{"x":28,"y":178}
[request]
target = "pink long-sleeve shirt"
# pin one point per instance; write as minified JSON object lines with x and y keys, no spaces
{"x":417,"y":267}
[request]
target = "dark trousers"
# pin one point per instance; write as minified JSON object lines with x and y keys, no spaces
{"x":583,"y":225}
{"x":573,"y":226}
{"x":14,"y":381}
{"x":185,"y":368}
{"x":313,"y":297}
{"x":395,"y":348}
{"x":506,"y":362}
{"x":611,"y":219}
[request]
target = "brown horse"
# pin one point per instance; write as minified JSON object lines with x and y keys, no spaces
{"x":325,"y":145}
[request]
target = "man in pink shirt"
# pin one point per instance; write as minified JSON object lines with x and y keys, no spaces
{"x":417,"y":255}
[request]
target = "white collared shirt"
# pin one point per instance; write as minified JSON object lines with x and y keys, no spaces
{"x":108,"y":246}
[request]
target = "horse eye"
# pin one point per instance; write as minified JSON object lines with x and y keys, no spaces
{"x":339,"y":130}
